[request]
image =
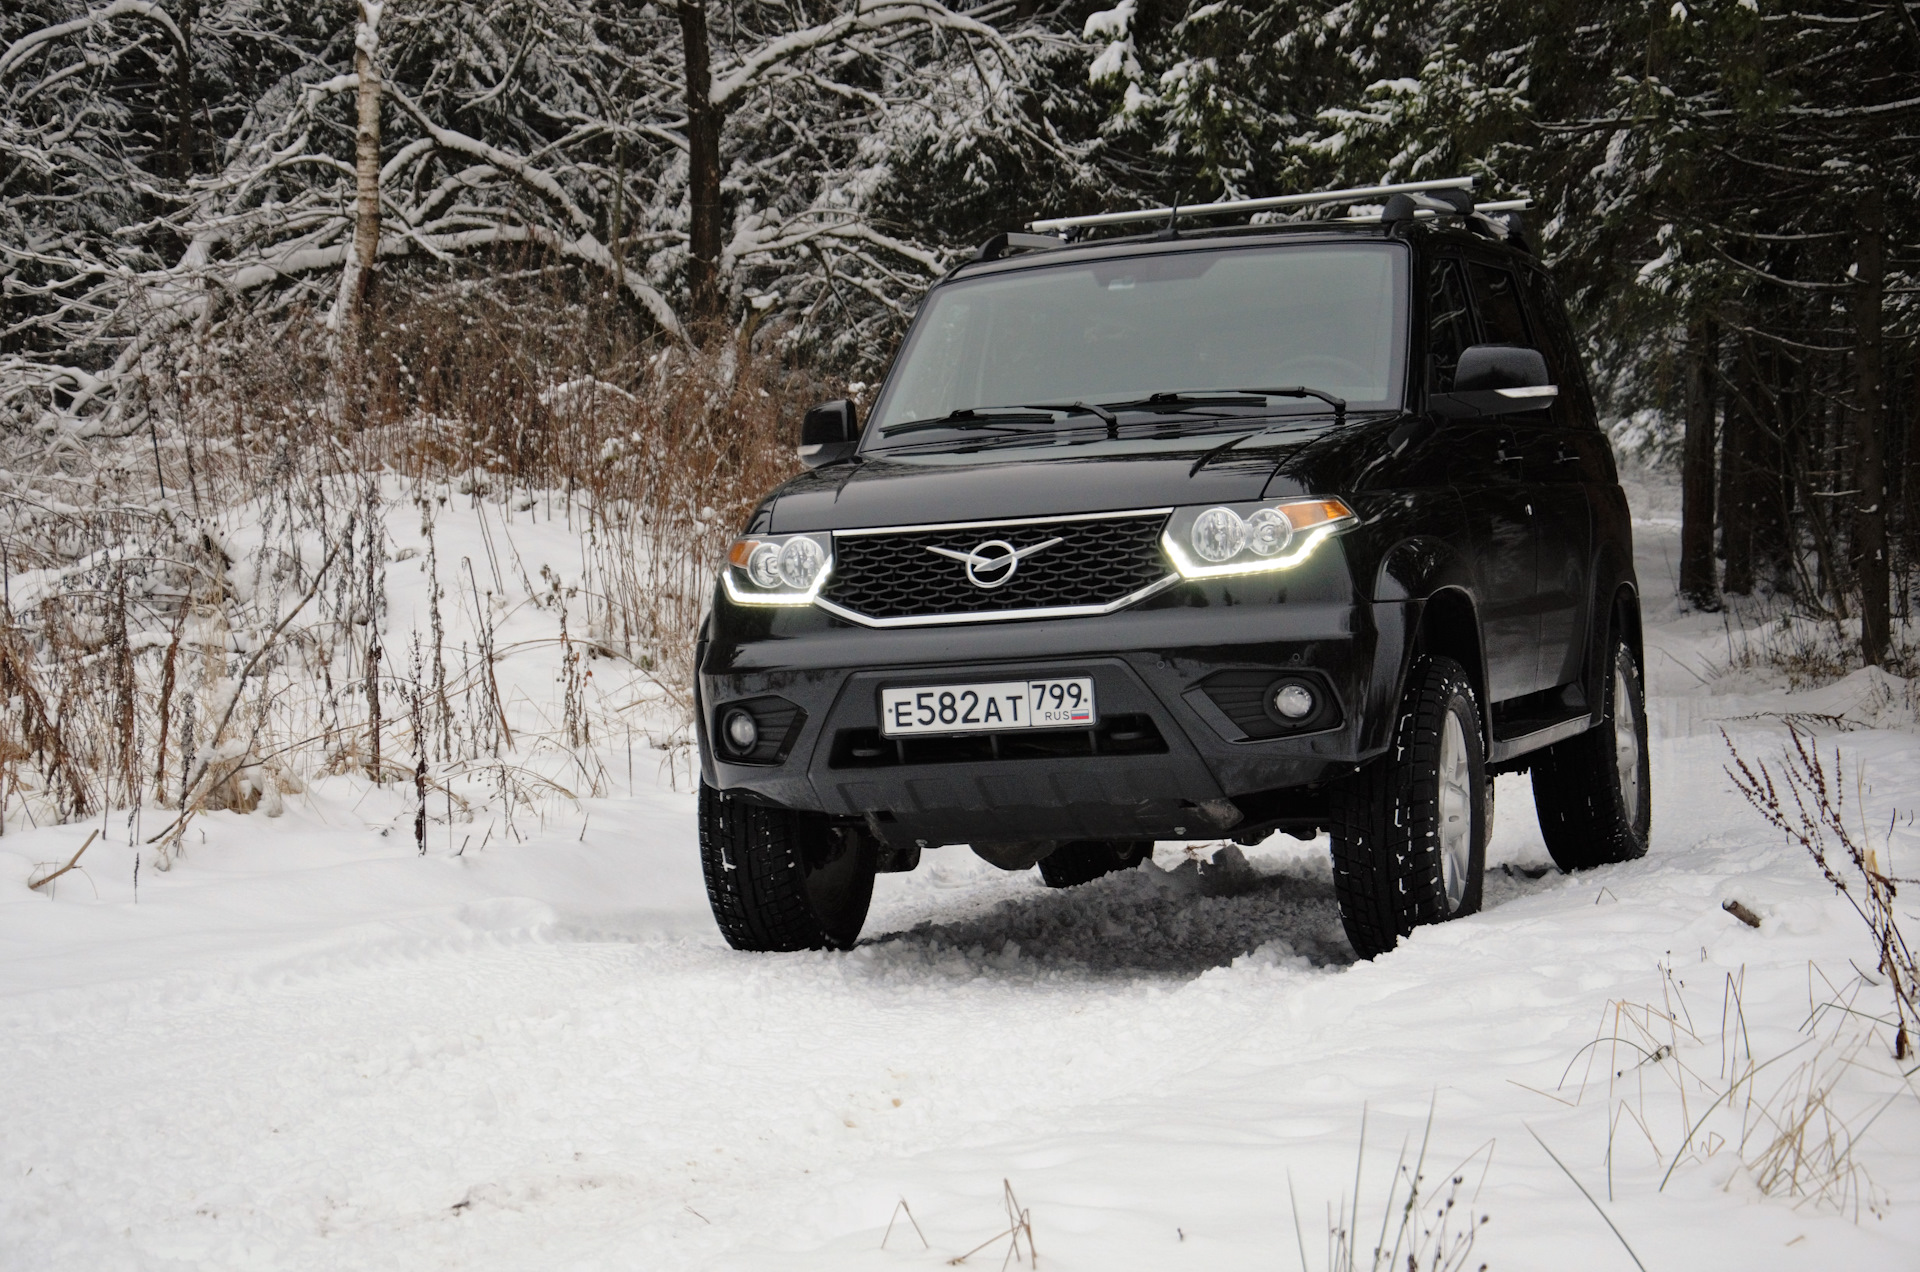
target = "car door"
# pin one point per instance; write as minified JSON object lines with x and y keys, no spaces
{"x":1554,"y":500}
{"x":1580,"y":466}
{"x":1484,"y":463}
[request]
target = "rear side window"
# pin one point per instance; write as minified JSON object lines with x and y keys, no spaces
{"x":1562,"y":352}
{"x":1449,"y":323}
{"x":1502,"y":316}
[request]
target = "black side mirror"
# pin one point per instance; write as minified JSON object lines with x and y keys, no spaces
{"x":1500,"y":367}
{"x":1497,"y":380}
{"x":829,"y":433}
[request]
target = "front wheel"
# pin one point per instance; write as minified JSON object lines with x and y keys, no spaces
{"x":1410,"y":828}
{"x":780,"y":880}
{"x":1594,"y":792}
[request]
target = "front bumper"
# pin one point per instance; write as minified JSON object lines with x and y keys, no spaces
{"x":1173,"y":766}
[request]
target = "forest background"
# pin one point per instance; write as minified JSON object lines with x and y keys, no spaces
{"x":613,"y":248}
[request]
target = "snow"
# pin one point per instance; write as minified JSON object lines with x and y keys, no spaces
{"x":306,"y":1046}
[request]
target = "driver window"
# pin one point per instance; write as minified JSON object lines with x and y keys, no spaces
{"x":1449,"y":324}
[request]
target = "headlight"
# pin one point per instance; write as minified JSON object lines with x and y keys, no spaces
{"x":778,"y":569}
{"x":1250,"y":538}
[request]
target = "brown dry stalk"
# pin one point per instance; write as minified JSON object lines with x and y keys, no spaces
{"x":1816,"y":821}
{"x":168,"y":671}
{"x":71,"y":863}
{"x":898,"y":1210}
{"x":42,"y":734}
{"x":652,"y":455}
{"x":190,"y":788}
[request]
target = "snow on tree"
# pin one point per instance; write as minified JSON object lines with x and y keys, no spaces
{"x":173,"y":174}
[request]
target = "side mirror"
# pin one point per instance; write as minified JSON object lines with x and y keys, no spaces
{"x":1497,"y":380}
{"x":829,"y":433}
{"x":1500,"y":367}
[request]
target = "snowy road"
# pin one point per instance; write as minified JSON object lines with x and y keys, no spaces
{"x":306,"y":1047}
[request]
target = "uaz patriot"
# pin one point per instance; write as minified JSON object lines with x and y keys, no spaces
{"x":1303,"y":527}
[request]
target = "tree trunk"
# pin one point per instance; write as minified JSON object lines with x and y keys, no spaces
{"x":1870,"y":455}
{"x":617,"y":228}
{"x":1776,"y":464}
{"x":357,"y":279}
{"x":703,"y":167}
{"x":183,"y":92}
{"x":1698,"y":584}
{"x":1910,"y":481}
{"x":1737,"y":437}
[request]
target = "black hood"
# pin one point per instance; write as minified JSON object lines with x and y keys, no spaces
{"x":916,"y":490}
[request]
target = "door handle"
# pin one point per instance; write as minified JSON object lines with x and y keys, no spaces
{"x":1564,"y":458}
{"x":1503,"y":458}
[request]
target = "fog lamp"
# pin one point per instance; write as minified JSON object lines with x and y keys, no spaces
{"x":741,"y":730}
{"x":1294,"y":700}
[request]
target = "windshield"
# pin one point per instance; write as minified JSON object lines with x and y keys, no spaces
{"x":1121,"y":330}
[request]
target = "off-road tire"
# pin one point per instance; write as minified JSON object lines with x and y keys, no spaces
{"x":1081,"y":861}
{"x":1388,"y":873}
{"x":783,"y":880}
{"x":1578,"y":786}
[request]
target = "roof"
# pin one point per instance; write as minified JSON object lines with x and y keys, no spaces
{"x":1210,"y":237}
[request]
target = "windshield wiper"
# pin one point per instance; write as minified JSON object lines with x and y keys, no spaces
{"x":1338,"y":404}
{"x":972,"y":417}
{"x":962,"y":419}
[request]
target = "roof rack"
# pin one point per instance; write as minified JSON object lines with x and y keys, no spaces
{"x":1232,"y":206}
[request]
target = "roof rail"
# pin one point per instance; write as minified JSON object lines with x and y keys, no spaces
{"x":1232,"y":206}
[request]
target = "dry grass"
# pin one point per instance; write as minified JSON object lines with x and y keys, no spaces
{"x":1421,"y":1229}
{"x":1807,"y":803}
{"x":148,"y":658}
{"x":1795,"y":1122}
{"x":1018,"y":1234}
{"x":1811,"y":650}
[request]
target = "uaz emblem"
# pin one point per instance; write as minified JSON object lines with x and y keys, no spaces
{"x":994,"y":562}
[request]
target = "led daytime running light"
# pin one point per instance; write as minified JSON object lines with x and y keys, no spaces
{"x":1276,"y":537}
{"x":776,"y":570}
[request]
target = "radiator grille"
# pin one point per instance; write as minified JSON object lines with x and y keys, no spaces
{"x":1097,"y":562}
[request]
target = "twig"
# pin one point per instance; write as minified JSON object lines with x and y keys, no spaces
{"x":1299,"y":1237}
{"x":1589,"y":1196}
{"x":179,"y":824}
{"x":903,"y":1206}
{"x":74,"y":860}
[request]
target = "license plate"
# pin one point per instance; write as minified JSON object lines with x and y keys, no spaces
{"x":1011,"y":704}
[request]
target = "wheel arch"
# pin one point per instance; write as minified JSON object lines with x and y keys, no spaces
{"x":1620,"y":618}
{"x":1624,"y":617}
{"x":1437,"y":578}
{"x":1433,"y":579}
{"x":1450,"y":628}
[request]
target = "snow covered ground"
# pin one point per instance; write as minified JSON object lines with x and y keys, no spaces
{"x":306,"y":1046}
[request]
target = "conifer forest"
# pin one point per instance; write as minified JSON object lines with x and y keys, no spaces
{"x":453,"y":815}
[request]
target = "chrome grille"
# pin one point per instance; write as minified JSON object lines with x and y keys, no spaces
{"x":891,"y":577}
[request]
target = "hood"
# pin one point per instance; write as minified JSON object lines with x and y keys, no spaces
{"x":923,"y":489}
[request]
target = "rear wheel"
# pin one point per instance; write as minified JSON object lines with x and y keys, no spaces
{"x":1593,"y":791}
{"x":1410,"y":829}
{"x":1081,"y":861}
{"x":783,"y":880}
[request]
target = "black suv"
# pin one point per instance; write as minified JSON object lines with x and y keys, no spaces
{"x":1304,"y":527}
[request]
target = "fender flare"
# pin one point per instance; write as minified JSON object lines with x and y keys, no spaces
{"x":1429,"y":580}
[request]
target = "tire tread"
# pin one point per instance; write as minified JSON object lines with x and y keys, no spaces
{"x":1576,"y":789}
{"x":1386,"y":874}
{"x":751,"y":857}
